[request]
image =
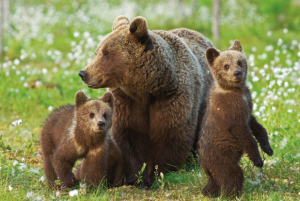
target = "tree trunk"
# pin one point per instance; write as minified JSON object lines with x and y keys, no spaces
{"x":215,"y":21}
{"x":1,"y":26}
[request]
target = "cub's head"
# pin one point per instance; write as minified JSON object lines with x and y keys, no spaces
{"x":94,"y":116}
{"x":229,"y":67}
{"x":118,"y":54}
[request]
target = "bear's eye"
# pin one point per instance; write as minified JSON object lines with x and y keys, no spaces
{"x":226,"y":66}
{"x":240,"y":63}
{"x":92,"y":115}
{"x":105,"y":55}
{"x":104,"y":115}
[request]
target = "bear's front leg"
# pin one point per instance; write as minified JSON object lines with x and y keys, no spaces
{"x":63,"y":163}
{"x":245,"y":138}
{"x":134,"y":146}
{"x":94,"y":166}
{"x":261,"y":135}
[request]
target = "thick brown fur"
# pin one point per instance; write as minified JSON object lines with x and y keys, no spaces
{"x":80,"y":131}
{"x":159,"y":87}
{"x":114,"y":174}
{"x":227,"y":126}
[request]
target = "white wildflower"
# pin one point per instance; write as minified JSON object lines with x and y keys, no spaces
{"x":25,"y":84}
{"x":255,"y":79}
{"x":82,"y":185}
{"x":279,"y":42}
{"x":86,"y":34}
{"x":16,"y":61}
{"x":50,"y":108}
{"x":73,"y":193}
{"x":269,"y":48}
{"x":285,"y":30}
{"x":44,"y":70}
{"x":15,"y":123}
{"x":15,"y":163}
{"x":22,"y":166}
{"x":29,"y":194}
{"x":19,"y":121}
{"x":269,"y":33}
{"x":10,"y":188}
{"x":38,"y":83}
{"x":76,"y":34}
{"x":57,"y":193}
{"x":42,"y":179}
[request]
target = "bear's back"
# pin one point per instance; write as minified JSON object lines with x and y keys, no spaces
{"x":57,"y":126}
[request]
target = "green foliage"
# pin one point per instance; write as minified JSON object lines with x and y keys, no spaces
{"x":139,"y":176}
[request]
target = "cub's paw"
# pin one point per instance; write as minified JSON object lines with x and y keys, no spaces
{"x":258,"y":162}
{"x":267,"y":149}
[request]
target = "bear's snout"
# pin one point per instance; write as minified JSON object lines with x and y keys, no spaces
{"x":83,"y":75}
{"x":238,"y":74}
{"x":101,"y":125}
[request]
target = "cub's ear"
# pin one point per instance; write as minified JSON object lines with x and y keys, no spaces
{"x":138,"y":28}
{"x":80,"y":98}
{"x":108,"y":98}
{"x":120,"y":21}
{"x":236,"y":45}
{"x":211,"y":55}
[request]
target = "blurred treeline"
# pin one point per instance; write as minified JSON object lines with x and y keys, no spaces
{"x":246,"y":20}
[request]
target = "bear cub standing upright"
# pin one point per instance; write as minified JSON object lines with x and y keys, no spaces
{"x":228,"y":124}
{"x":81,"y":131}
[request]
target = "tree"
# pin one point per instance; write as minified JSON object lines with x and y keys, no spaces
{"x":215,"y":21}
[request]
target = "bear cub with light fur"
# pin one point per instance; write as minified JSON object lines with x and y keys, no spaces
{"x":81,"y":131}
{"x":228,"y":124}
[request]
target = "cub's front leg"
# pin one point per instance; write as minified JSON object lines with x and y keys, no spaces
{"x":245,"y":138}
{"x":63,"y":162}
{"x":93,"y":168}
{"x":261,"y":135}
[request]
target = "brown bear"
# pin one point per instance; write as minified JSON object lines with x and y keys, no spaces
{"x":159,"y":85}
{"x":226,"y":131}
{"x":81,"y":131}
{"x":114,"y":173}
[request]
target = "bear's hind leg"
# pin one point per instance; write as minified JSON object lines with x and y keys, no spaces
{"x":212,"y":189}
{"x":231,"y":178}
{"x":49,"y":170}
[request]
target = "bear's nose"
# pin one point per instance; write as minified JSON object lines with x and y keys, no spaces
{"x":101,"y":125}
{"x":83,"y":75}
{"x":237,"y":74}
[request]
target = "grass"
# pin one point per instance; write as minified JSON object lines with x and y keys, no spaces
{"x":48,"y":42}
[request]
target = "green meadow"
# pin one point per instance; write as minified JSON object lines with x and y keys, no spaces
{"x":46,"y":44}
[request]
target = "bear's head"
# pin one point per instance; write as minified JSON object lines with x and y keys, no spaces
{"x":118,"y":54}
{"x":228,"y":67}
{"x":93,"y":116}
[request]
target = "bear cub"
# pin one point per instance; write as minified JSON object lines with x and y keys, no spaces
{"x":228,"y":124}
{"x":81,"y":131}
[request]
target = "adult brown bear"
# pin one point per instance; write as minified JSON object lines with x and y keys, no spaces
{"x":159,"y":80}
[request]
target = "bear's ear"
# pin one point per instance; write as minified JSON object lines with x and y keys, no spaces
{"x":236,"y":45}
{"x":138,"y":28}
{"x":211,"y":55}
{"x":108,"y":98}
{"x":120,"y":21}
{"x":80,"y":98}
